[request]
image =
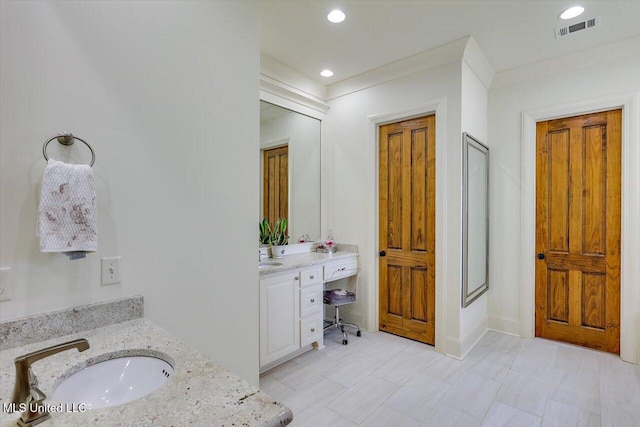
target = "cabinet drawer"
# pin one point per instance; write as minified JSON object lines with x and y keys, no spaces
{"x":339,"y":269}
{"x":311,"y":276}
{"x":310,"y":300}
{"x":310,"y":330}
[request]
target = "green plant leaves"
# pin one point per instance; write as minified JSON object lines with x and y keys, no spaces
{"x":265,"y":231}
{"x":278,"y":235}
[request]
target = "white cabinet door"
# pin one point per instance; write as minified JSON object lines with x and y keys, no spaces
{"x":279,"y":314}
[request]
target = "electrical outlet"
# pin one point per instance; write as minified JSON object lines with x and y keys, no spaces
{"x":5,"y":283}
{"x":111,"y":272}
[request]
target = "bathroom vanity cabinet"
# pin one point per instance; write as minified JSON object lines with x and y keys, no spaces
{"x":291,"y":308}
{"x":290,"y":313}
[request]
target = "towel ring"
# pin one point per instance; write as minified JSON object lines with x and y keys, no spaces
{"x":68,"y":139}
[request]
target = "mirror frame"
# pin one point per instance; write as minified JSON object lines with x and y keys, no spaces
{"x":282,"y":97}
{"x":286,"y":96}
{"x":468,"y":297}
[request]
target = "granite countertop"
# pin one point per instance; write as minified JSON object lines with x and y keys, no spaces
{"x":199,"y":392}
{"x":303,"y":260}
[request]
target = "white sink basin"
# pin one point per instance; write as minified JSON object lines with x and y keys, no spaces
{"x":265,"y":264}
{"x":113,"y":382}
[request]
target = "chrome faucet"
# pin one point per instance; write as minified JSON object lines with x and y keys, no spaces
{"x":26,"y":389}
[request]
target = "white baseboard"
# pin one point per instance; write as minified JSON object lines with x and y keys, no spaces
{"x":505,"y":325}
{"x":472,"y":339}
{"x":452,"y":348}
{"x":460,"y":348}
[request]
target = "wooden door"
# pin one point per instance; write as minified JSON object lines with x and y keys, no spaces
{"x":407,"y":228}
{"x":578,"y":230}
{"x":276,"y":184}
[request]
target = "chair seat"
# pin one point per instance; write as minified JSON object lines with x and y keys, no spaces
{"x":338,"y":297}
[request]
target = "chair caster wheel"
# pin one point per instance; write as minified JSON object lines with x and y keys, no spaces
{"x":358,"y":334}
{"x":345,"y":342}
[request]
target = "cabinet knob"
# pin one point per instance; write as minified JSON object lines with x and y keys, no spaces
{"x":313,"y":329}
{"x":382,"y":253}
{"x":297,"y":278}
{"x":540,"y":256}
{"x":311,"y":277}
{"x":313,"y":300}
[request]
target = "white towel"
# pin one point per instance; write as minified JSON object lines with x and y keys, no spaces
{"x":68,"y":214}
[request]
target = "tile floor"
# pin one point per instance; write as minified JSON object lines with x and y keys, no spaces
{"x":381,"y":380}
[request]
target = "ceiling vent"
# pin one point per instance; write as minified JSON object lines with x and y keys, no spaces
{"x":578,"y":26}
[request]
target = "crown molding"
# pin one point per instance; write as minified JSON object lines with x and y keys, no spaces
{"x":287,"y":75}
{"x":608,"y":52}
{"x":441,"y":55}
{"x":276,"y":92}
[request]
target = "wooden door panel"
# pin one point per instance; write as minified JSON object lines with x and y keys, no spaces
{"x":283,"y":186}
{"x":419,"y":190}
{"x":394,"y":295}
{"x":394,"y":204}
{"x":407,"y":233}
{"x":593,"y":297}
{"x":593,"y":194}
{"x":578,"y":230}
{"x":558,"y":295}
{"x":559,"y":160}
{"x":584,"y":263}
{"x":419,"y":294}
{"x":271,"y":195}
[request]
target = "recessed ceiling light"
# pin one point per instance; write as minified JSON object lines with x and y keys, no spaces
{"x":572,"y":12}
{"x":336,"y":16}
{"x":326,"y":73}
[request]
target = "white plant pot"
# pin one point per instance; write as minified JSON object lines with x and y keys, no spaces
{"x":278,"y":251}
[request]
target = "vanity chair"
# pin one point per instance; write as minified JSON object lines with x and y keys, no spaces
{"x":338,"y":297}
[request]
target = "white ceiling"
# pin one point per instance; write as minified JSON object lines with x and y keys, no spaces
{"x":511,"y":33}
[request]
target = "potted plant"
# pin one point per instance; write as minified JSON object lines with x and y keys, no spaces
{"x":279,"y":238}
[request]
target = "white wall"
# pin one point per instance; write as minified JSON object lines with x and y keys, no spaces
{"x":617,"y":76}
{"x":166,"y":92}
{"x":473,"y":318}
{"x":350,"y":182}
{"x":303,"y":136}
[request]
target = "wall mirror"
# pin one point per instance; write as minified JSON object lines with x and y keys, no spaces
{"x":290,"y":170}
{"x":475,"y":219}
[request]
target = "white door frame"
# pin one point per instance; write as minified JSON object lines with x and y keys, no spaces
{"x":630,"y":244}
{"x":439,"y":107}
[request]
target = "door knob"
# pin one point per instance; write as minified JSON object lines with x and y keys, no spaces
{"x":540,"y":256}
{"x":382,"y":253}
